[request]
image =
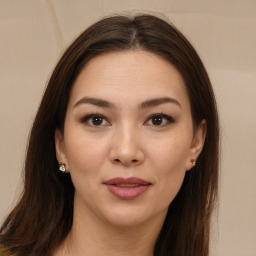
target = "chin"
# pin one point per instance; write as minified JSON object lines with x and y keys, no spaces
{"x":127,"y":222}
{"x":128,"y":217}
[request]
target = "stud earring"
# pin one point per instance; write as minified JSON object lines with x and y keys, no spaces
{"x":194,"y":163}
{"x":62,"y":167}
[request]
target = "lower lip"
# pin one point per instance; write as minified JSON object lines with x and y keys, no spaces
{"x":127,"y":193}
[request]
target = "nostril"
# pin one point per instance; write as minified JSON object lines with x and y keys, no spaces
{"x":132,"y":161}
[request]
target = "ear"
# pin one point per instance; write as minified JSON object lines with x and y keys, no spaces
{"x":60,"y":148}
{"x":197,"y":144}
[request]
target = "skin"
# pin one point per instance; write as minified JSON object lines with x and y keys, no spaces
{"x":125,"y":143}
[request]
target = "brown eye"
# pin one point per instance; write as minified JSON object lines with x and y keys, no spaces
{"x":95,"y":120}
{"x":157,"y":120}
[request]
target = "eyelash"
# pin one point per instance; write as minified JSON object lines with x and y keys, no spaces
{"x":90,"y":116}
{"x":168,"y":119}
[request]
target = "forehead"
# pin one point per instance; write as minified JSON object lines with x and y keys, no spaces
{"x":133,"y":75}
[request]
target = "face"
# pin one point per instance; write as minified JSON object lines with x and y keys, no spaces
{"x":128,"y":137}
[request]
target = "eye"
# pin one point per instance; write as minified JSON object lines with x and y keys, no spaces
{"x":159,"y":120}
{"x":95,"y":120}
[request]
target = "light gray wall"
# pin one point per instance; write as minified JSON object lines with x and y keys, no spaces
{"x":33,"y":35}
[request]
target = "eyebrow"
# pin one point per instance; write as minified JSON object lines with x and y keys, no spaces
{"x":158,"y":101}
{"x":95,"y":101}
{"x":145,"y":104}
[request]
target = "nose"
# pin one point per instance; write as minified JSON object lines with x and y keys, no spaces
{"x":126,"y":147}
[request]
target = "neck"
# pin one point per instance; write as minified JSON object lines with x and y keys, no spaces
{"x":91,"y":236}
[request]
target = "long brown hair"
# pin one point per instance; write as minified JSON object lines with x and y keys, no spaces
{"x":43,"y":216}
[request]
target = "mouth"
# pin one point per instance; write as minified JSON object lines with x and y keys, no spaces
{"x":127,"y":185}
{"x":127,"y":188}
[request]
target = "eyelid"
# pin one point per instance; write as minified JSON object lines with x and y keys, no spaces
{"x":167,"y":117}
{"x":87,"y":117}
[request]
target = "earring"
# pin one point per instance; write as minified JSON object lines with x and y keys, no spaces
{"x":62,"y":167}
{"x":194,"y":163}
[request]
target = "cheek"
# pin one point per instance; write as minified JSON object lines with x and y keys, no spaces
{"x":85,"y":154}
{"x":170,"y":159}
{"x":171,"y":152}
{"x":86,"y":158}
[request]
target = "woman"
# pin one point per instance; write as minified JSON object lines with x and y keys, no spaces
{"x":123,"y":153}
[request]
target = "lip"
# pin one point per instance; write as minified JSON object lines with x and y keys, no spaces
{"x":127,"y":188}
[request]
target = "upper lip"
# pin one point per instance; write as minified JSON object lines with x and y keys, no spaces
{"x":131,"y":180}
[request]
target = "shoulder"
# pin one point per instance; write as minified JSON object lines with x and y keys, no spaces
{"x":2,"y":254}
{"x":5,"y":254}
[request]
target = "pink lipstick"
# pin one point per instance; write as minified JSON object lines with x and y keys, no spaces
{"x":127,"y":188}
